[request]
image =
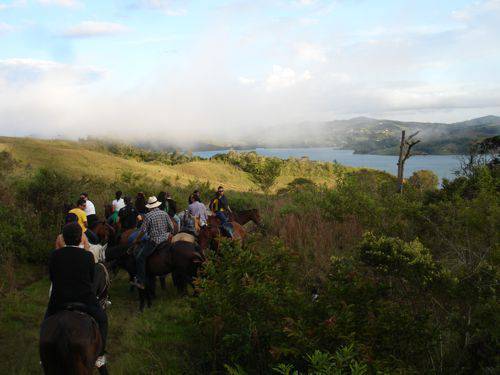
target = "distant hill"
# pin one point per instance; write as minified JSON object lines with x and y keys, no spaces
{"x":77,"y":159}
{"x":367,"y":135}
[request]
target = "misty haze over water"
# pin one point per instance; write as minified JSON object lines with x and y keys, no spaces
{"x":443,"y":165}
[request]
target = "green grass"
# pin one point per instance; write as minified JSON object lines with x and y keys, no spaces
{"x":154,"y":342}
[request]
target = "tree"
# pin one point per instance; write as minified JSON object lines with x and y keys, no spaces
{"x":265,"y":173}
{"x":404,"y":154}
{"x":424,"y":180}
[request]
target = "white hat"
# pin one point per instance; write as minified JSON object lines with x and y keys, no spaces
{"x":153,"y":202}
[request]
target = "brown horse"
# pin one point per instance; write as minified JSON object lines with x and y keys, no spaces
{"x":70,"y":343}
{"x":211,"y":234}
{"x":244,"y":216}
{"x":181,"y":259}
{"x":105,"y":232}
{"x":124,"y":237}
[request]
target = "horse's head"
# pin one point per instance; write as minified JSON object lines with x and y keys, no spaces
{"x":105,"y":232}
{"x":255,"y":216}
{"x":209,"y":233}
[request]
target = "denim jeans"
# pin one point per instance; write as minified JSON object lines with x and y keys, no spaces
{"x":145,"y":250}
{"x":225,"y":222}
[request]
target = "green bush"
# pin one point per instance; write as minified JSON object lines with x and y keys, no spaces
{"x":424,"y":180}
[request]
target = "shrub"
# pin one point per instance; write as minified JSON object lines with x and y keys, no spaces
{"x":424,"y":180}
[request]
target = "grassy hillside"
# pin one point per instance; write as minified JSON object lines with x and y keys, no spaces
{"x":78,"y":160}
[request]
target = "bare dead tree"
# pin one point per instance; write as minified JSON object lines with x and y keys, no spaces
{"x":404,"y":154}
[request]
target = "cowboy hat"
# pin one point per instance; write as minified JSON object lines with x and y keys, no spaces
{"x":153,"y":202}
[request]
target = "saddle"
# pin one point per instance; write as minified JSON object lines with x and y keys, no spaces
{"x":74,"y":306}
{"x":183,"y":236}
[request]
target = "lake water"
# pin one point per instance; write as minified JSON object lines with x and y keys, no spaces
{"x":442,"y":165}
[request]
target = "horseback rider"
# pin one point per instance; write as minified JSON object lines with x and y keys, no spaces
{"x":117,"y":204}
{"x":71,"y":271}
{"x":198,"y":210}
{"x":158,"y":226}
{"x":140,"y":203}
{"x":89,"y":210}
{"x":79,"y":211}
{"x":71,"y":218}
{"x":128,"y":216}
{"x":220,"y":207}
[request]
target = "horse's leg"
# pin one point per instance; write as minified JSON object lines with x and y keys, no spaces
{"x":142,"y":294}
{"x":151,"y":281}
{"x":130,"y":279}
{"x":179,"y":282}
{"x":150,"y":286}
{"x":163,"y":283}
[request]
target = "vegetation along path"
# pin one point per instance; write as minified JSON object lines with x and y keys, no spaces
{"x":152,"y":342}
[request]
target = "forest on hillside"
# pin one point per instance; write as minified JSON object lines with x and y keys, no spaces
{"x":354,"y":278}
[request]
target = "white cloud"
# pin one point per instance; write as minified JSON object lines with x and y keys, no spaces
{"x":61,"y":3}
{"x":246,"y":80}
{"x":5,"y":28}
{"x":169,"y":7}
{"x":307,"y":21}
{"x":475,"y":9}
{"x":26,"y":72}
{"x":306,"y":2}
{"x":312,"y":52}
{"x":285,"y":77}
{"x":12,"y":4}
{"x":93,"y":28}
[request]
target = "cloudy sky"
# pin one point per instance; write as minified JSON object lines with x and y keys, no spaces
{"x":180,"y":69}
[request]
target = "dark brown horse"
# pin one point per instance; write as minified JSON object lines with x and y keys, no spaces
{"x":105,"y":232}
{"x":181,"y":259}
{"x":70,"y":343}
{"x":244,"y":216}
{"x":211,"y":234}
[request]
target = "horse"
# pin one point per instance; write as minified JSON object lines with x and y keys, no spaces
{"x":181,"y":259}
{"x":70,"y":343}
{"x":211,"y":234}
{"x":105,"y":232}
{"x":244,"y":216}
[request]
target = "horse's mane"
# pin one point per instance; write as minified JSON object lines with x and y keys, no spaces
{"x":116,"y":252}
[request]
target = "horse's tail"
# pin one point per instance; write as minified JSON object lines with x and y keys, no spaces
{"x":55,"y":351}
{"x":64,"y":352}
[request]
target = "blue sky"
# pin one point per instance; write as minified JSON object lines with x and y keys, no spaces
{"x":74,"y":67}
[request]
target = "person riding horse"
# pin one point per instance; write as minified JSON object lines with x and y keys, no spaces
{"x":79,"y":211}
{"x":117,"y":204}
{"x":71,"y":218}
{"x":220,"y":207}
{"x":158,"y":226}
{"x":128,"y":216}
{"x":89,"y":210}
{"x":198,"y":210}
{"x":71,"y":271}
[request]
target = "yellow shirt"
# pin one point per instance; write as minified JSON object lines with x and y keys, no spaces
{"x":82,"y":217}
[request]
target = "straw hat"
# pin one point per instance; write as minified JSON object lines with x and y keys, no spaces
{"x":153,"y":202}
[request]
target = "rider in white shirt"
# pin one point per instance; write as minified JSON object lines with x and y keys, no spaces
{"x":89,"y":210}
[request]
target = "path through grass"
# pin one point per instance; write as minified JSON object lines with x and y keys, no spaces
{"x":155,"y":342}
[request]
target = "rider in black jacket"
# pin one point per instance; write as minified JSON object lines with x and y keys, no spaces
{"x":71,"y":270}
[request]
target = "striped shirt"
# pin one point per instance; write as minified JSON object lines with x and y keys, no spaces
{"x":157,"y":225}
